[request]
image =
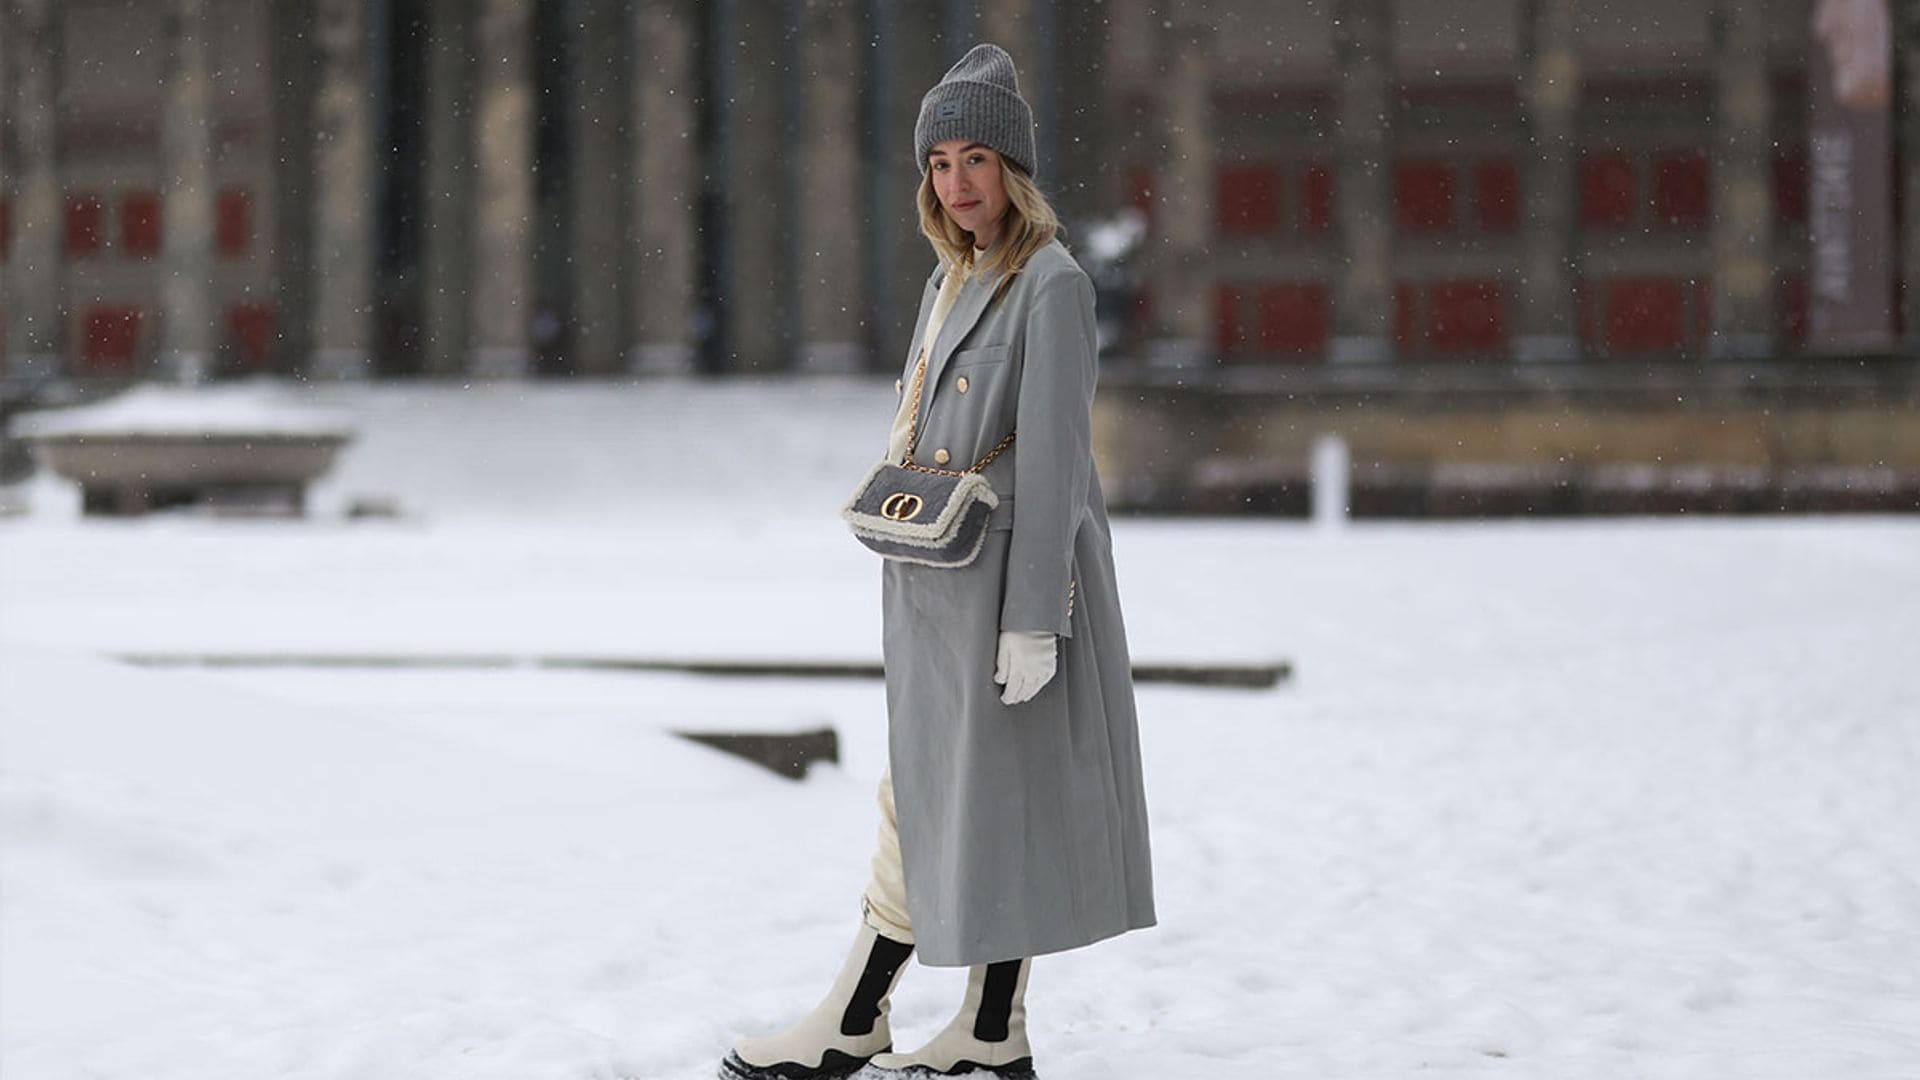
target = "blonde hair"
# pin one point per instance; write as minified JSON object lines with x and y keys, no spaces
{"x":1029,"y":225}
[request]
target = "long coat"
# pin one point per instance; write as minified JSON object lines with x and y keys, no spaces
{"x":1023,"y":829}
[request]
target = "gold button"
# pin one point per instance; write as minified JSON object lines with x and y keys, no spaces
{"x":961,"y":385}
{"x":941,"y":457}
{"x":898,"y":386}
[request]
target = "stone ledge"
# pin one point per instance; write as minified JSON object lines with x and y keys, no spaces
{"x":1245,"y":676}
{"x":1443,"y":387}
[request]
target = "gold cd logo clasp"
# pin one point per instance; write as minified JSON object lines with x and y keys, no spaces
{"x":902,"y":506}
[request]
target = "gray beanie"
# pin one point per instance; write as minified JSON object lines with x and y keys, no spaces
{"x":978,"y":100}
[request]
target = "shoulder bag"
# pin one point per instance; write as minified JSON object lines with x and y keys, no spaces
{"x":919,"y":514}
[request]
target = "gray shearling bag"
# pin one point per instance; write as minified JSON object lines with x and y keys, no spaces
{"x":920,"y":514}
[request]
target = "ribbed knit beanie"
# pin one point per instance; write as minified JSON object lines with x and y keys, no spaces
{"x":978,"y":100}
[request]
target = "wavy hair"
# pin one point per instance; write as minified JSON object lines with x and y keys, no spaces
{"x":1029,"y":225}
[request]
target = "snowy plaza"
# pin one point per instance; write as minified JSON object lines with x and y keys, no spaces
{"x":432,"y":646}
{"x":1602,"y":799}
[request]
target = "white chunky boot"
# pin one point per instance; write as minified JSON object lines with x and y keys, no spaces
{"x":847,"y":1028}
{"x":987,"y":1039}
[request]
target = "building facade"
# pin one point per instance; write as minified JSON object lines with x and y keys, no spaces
{"x":496,"y":188}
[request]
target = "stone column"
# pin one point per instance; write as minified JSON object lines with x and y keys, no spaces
{"x":1080,"y":148}
{"x":828,"y":273}
{"x":1131,"y":32}
{"x":7,"y":36}
{"x":1363,"y":216}
{"x":503,"y":266}
{"x":898,"y":259}
{"x":343,"y":200}
{"x":666,"y":148}
{"x":1907,"y":137}
{"x":1026,"y":28}
{"x":1742,"y":303}
{"x":1184,"y":221}
{"x":1545,"y":314}
{"x":959,"y":31}
{"x":1008,"y":24}
{"x":447,"y":256}
{"x":35,"y":301}
{"x":756,"y":203}
{"x":186,"y":169}
{"x":597,"y":144}
{"x":291,"y":60}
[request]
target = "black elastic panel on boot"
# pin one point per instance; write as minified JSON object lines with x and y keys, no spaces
{"x":996,"y":1001}
{"x":864,"y":1007}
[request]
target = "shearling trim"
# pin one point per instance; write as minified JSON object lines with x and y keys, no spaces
{"x":971,"y":488}
{"x":972,"y":554}
{"x":948,"y":560}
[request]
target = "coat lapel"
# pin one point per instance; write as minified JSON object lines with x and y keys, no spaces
{"x":967,"y":308}
{"x":927,"y":295}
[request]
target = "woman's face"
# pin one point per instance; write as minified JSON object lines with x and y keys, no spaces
{"x":967,"y":181}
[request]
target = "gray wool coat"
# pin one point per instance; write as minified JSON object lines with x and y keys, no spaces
{"x":1023,"y":829}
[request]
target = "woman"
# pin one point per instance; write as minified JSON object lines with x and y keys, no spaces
{"x":1013,"y":821}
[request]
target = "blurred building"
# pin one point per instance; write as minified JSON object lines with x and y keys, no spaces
{"x":1483,"y":231}
{"x":497,"y":187}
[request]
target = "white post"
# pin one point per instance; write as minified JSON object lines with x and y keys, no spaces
{"x":1332,"y":474}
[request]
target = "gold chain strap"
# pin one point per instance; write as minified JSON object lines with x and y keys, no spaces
{"x":913,"y":432}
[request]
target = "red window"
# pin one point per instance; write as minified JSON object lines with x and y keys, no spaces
{"x":1247,"y":199}
{"x":1423,"y":192}
{"x":1496,"y":185}
{"x":1790,"y":187}
{"x":233,"y":223}
{"x":1702,"y":311}
{"x":112,"y":336}
{"x":1680,"y":196}
{"x":140,"y":223}
{"x":1790,"y":298}
{"x":1466,"y":317}
{"x":1316,"y":198}
{"x":1606,"y":191}
{"x":1227,"y":335}
{"x":1293,"y":317}
{"x":1140,"y":189}
{"x":250,"y":326}
{"x":1644,"y":314}
{"x":83,"y":225}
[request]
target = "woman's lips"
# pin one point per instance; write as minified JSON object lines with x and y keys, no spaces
{"x":966,"y":205}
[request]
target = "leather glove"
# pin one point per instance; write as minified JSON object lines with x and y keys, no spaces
{"x":1026,"y":662}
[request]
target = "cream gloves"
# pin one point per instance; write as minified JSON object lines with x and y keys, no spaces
{"x":1026,"y":662}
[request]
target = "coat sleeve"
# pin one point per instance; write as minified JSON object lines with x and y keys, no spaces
{"x":1052,"y":453}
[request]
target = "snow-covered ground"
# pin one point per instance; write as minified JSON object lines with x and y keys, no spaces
{"x":1562,"y":800}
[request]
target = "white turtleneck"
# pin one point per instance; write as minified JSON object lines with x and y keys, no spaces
{"x":942,"y":304}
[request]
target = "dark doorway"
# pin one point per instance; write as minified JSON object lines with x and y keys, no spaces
{"x":400,"y":84}
{"x":710,"y":267}
{"x":551,"y":328}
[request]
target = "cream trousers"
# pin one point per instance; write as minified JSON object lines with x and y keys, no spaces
{"x":885,"y":903}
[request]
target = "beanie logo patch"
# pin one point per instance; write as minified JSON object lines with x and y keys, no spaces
{"x":947,"y":110}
